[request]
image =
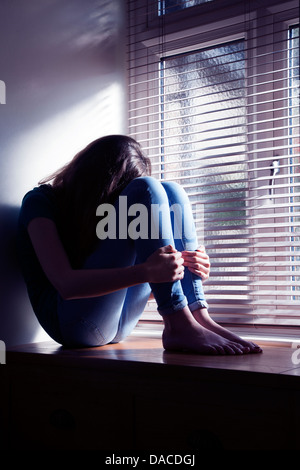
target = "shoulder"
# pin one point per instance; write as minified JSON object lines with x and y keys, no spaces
{"x":45,"y":191}
{"x":38,"y":202}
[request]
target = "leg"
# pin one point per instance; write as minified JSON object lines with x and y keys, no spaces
{"x":192,"y":285}
{"x":185,"y":239}
{"x":109,"y":318}
{"x":98,"y":321}
{"x":134,"y":305}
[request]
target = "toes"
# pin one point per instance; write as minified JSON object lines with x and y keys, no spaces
{"x":255,"y":348}
{"x":219,"y":349}
{"x":239,"y":350}
{"x":230,"y":350}
{"x":210,"y":350}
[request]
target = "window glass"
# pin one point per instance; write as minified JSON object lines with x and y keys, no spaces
{"x":170,"y":6}
{"x":203,"y":145}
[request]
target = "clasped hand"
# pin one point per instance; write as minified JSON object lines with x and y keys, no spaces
{"x":167,"y":264}
{"x":197,"y":262}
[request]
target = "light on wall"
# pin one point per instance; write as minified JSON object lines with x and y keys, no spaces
{"x":53,"y":143}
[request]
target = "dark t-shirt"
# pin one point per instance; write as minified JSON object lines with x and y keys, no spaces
{"x":39,"y":202}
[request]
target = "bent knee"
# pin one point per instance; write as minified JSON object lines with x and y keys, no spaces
{"x":172,"y":186}
{"x":147,"y":182}
{"x":175,"y":191}
{"x":147,"y":185}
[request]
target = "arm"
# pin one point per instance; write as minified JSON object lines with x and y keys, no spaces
{"x":162,"y":266}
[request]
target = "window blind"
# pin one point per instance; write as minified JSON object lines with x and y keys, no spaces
{"x":213,"y":97}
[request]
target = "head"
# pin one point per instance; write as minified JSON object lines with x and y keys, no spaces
{"x":97,"y":174}
{"x":103,"y":168}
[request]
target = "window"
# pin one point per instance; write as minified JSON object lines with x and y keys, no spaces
{"x":214,"y":100}
{"x":170,"y":6}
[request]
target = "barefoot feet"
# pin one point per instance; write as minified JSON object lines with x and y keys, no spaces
{"x":183,"y":332}
{"x":204,"y":319}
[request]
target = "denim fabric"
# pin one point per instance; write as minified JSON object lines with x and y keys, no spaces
{"x":111,"y":317}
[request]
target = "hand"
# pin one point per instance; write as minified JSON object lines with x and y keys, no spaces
{"x":165,"y":265}
{"x":197,"y":262}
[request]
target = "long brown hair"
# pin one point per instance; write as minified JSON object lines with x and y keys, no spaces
{"x":95,"y":175}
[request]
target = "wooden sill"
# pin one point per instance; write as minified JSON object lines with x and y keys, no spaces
{"x":276,"y":359}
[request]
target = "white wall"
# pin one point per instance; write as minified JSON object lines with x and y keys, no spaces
{"x":62,"y":63}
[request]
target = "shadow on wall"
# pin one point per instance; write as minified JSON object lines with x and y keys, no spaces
{"x":18,"y":324}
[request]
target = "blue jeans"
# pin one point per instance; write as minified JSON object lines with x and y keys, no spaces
{"x":111,"y":318}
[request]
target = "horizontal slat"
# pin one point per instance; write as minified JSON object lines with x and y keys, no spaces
{"x":250,"y":236}
{"x":253,"y":78}
{"x":155,"y":95}
{"x":258,"y":122}
{"x":256,"y":226}
{"x":257,"y":264}
{"x":258,"y":246}
{"x":247,"y":218}
{"x":207,"y":137}
{"x":240,"y":185}
{"x":250,"y":293}
{"x":250,"y":284}
{"x":152,"y":102}
{"x":203,"y":173}
{"x":236,"y":311}
{"x":249,"y":275}
{"x":255,"y":303}
{"x":200,"y":154}
{"x":240,"y":254}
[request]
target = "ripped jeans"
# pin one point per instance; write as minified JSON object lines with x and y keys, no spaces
{"x":110,"y":318}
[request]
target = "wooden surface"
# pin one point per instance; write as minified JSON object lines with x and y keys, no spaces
{"x":273,"y":360}
{"x":134,"y":396}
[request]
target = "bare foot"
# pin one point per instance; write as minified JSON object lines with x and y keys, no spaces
{"x":183,"y":333}
{"x":204,"y":319}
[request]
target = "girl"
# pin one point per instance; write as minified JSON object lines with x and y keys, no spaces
{"x":88,"y":290}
